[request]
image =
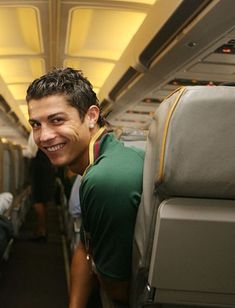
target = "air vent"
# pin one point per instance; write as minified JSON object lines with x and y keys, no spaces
{"x":151,"y":100}
{"x":228,"y":48}
{"x":130,"y":121}
{"x":4,"y":105}
{"x":183,"y":15}
{"x":193,"y":82}
{"x":129,"y":76}
{"x":138,"y":112}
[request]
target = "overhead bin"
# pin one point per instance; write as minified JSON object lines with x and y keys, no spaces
{"x":105,"y":107}
{"x":127,"y":78}
{"x":162,"y":24}
{"x":202,"y":33}
{"x":129,"y":68}
{"x":181,"y":17}
{"x":4,"y":105}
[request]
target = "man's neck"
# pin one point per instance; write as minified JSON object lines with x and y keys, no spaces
{"x":88,"y":156}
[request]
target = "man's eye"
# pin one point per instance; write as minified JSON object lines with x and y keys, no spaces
{"x":35,"y":125}
{"x":57,"y":120}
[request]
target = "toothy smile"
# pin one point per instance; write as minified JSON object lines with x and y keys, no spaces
{"x":55,"y":147}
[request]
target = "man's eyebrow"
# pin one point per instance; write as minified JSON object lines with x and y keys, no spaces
{"x":55,"y":115}
{"x":33,"y":121}
{"x":51,"y":116}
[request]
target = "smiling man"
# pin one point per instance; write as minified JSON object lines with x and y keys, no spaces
{"x":67,"y":125}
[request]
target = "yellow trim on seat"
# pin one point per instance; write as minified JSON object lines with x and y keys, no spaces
{"x":162,"y":155}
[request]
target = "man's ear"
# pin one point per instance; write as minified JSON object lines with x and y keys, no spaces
{"x":93,"y":115}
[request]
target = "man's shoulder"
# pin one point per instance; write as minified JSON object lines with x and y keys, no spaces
{"x":117,"y":149}
{"x":115,"y":163}
{"x":113,"y":172}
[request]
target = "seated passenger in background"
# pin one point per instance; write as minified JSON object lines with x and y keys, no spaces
{"x":42,"y":181}
{"x":67,"y":125}
{"x":6,"y":227}
{"x":74,"y":200}
{"x":6,"y":200}
{"x":67,"y":178}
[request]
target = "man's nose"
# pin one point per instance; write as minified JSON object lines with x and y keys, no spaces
{"x":46,"y":134}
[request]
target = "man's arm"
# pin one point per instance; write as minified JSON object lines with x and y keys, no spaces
{"x":81,"y":278}
{"x":117,"y":291}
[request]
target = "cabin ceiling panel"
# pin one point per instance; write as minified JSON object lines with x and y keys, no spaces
{"x":21,"y":51}
{"x":137,"y":1}
{"x":24,"y":109}
{"x":95,"y":71}
{"x":18,"y":91}
{"x":21,"y":35}
{"x":96,"y":48}
{"x":98,"y":24}
{"x":21,"y":70}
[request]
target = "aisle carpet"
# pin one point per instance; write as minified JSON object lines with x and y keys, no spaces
{"x":34,"y":276}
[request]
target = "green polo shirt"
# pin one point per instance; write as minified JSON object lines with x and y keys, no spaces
{"x":110,"y":195}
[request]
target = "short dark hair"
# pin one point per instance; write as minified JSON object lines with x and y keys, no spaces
{"x":68,"y":82}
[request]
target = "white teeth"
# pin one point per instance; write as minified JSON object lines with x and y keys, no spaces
{"x":55,"y":148}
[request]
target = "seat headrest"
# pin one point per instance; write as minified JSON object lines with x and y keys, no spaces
{"x":194,"y":132}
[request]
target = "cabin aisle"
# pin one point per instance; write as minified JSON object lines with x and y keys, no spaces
{"x":34,"y":276}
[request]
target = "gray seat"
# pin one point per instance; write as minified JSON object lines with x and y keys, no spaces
{"x":184,"y":245}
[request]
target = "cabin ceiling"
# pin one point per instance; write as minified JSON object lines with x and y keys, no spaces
{"x":134,"y":52}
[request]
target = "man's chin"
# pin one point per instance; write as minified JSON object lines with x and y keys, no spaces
{"x":57,"y":162}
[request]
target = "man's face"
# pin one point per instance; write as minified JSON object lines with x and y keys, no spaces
{"x":59,"y":132}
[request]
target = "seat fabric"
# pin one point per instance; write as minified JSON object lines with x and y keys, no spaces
{"x":183,"y":251}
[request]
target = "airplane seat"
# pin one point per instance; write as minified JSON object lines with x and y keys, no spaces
{"x":184,"y":248}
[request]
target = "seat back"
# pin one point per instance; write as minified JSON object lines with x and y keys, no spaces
{"x":183,"y":251}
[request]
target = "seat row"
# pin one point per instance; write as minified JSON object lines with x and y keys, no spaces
{"x":14,"y":180}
